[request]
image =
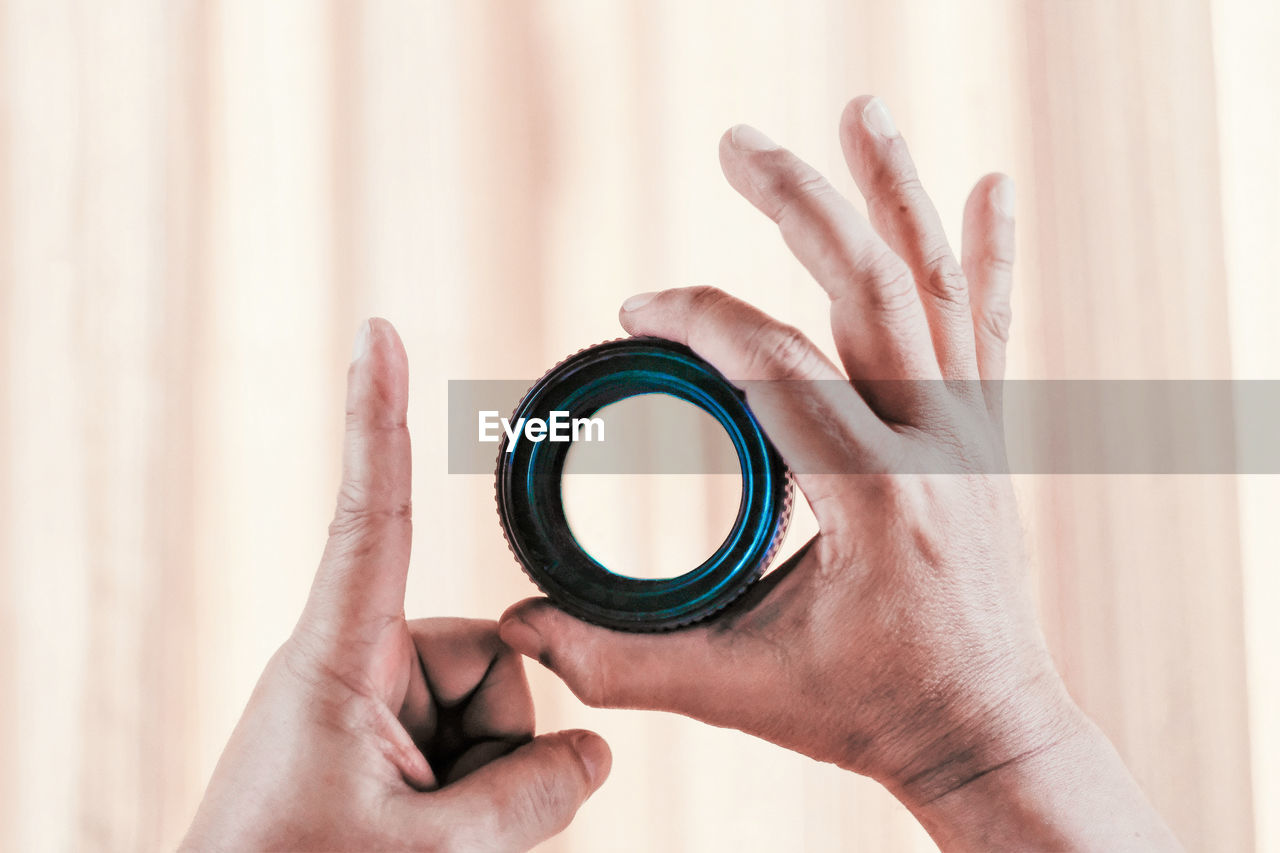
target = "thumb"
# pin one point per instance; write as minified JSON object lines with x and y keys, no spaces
{"x":524,"y":798}
{"x":684,"y":671}
{"x":361,"y":580}
{"x":704,"y":671}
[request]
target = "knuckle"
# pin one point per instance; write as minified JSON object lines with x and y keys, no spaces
{"x":709,"y":310}
{"x":540,"y":792}
{"x":791,"y":184}
{"x":999,"y":263}
{"x":546,"y":790}
{"x":896,"y":185}
{"x":356,"y":502}
{"x":359,"y":421}
{"x":592,"y":689}
{"x":892,"y":291}
{"x":779,"y":349}
{"x":354,"y":518}
{"x":905,"y":183}
{"x":996,"y":319}
{"x":908,"y":495}
{"x":947,"y":283}
{"x":991,"y":268}
{"x":592,"y":681}
{"x":806,"y":182}
{"x":705,"y":300}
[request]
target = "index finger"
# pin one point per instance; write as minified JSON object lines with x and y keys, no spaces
{"x":810,"y":412}
{"x":877,"y":319}
{"x":359,"y":587}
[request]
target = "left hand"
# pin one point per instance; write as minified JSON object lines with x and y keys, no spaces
{"x":367,"y":731}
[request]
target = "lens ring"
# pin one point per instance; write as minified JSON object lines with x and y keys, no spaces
{"x":531,"y":508}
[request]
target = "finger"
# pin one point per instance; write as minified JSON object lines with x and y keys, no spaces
{"x":703,"y":671}
{"x":808,"y":409}
{"x":614,"y":669}
{"x":903,"y":214}
{"x":988,"y":247}
{"x":469,"y":671}
{"x":358,"y":590}
{"x":521,"y":799}
{"x":480,"y":754}
{"x":876,"y":316}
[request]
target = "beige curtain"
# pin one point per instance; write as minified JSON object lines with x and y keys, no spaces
{"x":199,"y":201}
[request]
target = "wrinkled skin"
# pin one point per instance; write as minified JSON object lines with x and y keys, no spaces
{"x":901,"y":642}
{"x":371,"y":732}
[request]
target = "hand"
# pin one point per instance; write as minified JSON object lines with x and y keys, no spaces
{"x":370,"y":732}
{"x":901,"y":642}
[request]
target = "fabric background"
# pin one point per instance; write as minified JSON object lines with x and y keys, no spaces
{"x":200,"y":201}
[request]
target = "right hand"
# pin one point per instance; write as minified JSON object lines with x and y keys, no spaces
{"x":901,"y":642}
{"x":905,"y":624}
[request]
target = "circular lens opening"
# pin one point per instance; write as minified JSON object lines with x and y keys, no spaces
{"x":658,"y":495}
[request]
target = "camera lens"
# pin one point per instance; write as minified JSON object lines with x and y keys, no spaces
{"x":531,"y":507}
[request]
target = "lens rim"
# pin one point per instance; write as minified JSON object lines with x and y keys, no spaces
{"x":531,"y":506}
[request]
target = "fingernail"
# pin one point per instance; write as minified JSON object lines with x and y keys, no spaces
{"x":364,"y":339}
{"x":635,"y":303}
{"x":875,"y":115}
{"x":595,"y":756}
{"x":1002,"y":196}
{"x":747,"y":138}
{"x":522,"y":637}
